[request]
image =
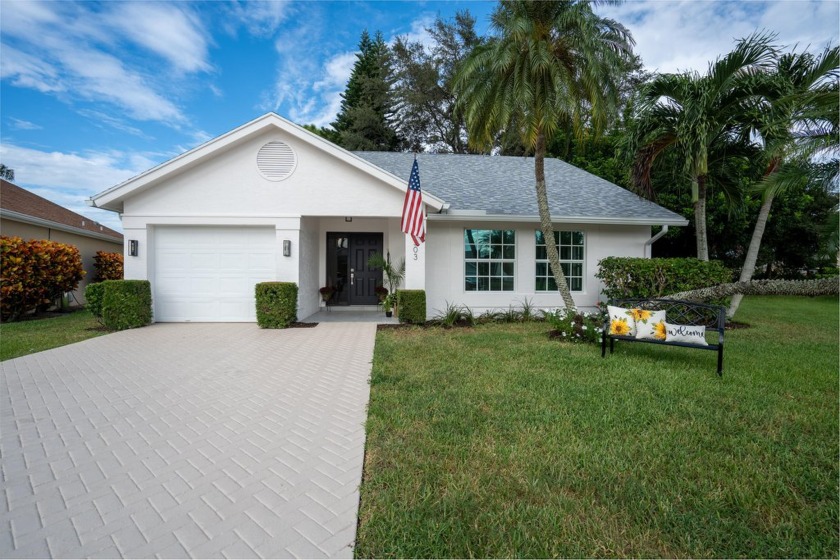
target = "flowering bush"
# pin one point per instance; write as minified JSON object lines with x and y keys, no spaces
{"x":109,"y":266}
{"x":575,"y":326}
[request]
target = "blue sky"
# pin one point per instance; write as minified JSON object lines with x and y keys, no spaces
{"x":93,"y":93}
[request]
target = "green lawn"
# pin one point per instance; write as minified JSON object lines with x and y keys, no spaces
{"x":496,"y":442}
{"x":35,"y":335}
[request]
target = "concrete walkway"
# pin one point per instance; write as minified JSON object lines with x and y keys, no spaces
{"x":178,"y":440}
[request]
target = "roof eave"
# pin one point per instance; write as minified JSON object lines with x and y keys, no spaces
{"x":643,"y":221}
{"x":112,"y":198}
{"x":36,"y":221}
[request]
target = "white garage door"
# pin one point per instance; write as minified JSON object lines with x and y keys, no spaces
{"x":207,"y":274}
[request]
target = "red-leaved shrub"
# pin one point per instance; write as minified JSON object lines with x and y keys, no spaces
{"x":109,"y":266}
{"x":35,"y":273}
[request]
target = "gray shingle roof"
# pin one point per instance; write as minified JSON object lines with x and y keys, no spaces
{"x":503,"y":185}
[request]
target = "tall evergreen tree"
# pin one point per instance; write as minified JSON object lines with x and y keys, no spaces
{"x":364,"y":121}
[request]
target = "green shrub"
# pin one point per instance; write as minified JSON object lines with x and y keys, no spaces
{"x":109,"y":266}
{"x":93,"y":296}
{"x":35,"y":274}
{"x":627,"y":277}
{"x":276,"y":304}
{"x":412,"y":306}
{"x":126,"y":304}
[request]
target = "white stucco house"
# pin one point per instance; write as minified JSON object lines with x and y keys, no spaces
{"x":270,"y":201}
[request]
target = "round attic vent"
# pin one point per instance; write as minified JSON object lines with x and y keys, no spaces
{"x":276,"y":161}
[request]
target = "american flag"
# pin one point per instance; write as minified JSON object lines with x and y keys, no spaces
{"x":412,"y":215}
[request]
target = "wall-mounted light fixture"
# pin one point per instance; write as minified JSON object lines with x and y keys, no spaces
{"x":287,"y":248}
{"x":348,"y":218}
{"x":133,"y":248}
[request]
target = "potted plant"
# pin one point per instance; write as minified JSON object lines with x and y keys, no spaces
{"x":388,"y":304}
{"x":381,"y":293}
{"x":392,"y":275}
{"x":326,"y":293}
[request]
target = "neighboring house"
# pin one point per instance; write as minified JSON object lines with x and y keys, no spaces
{"x":272,"y":201}
{"x":27,"y":215}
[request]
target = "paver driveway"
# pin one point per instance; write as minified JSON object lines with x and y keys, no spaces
{"x":183,"y":440}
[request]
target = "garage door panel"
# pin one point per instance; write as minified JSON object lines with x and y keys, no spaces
{"x":207,"y":274}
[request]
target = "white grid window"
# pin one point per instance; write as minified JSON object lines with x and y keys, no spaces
{"x":570,"y":245}
{"x":489,"y":260}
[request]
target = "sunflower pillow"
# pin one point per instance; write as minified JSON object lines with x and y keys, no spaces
{"x":649,"y":324}
{"x":622,"y":321}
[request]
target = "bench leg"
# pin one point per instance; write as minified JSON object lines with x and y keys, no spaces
{"x":603,"y":346}
{"x":612,"y":345}
{"x":720,"y":361}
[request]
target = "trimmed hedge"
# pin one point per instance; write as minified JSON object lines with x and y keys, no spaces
{"x":93,"y":296}
{"x":412,"y":306}
{"x":627,"y":277}
{"x":109,"y":266}
{"x":35,"y":273}
{"x":126,"y":304}
{"x":276,"y":304}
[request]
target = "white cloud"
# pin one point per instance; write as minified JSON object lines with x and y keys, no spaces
{"x":29,"y":71}
{"x":70,"y":179}
{"x":173,"y":33}
{"x":336,"y":72}
{"x":19,"y":124}
{"x":72,"y":50}
{"x":682,"y":35}
{"x":261,"y":19}
{"x":418,"y":33}
{"x":100,"y":119}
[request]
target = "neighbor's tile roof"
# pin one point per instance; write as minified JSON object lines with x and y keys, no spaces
{"x":16,"y":199}
{"x":504,"y":185}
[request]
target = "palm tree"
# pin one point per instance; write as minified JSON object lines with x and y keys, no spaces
{"x":793,"y":117}
{"x":551,"y":62}
{"x":695,"y":115}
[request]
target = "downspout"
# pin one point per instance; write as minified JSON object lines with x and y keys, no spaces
{"x":653,"y":240}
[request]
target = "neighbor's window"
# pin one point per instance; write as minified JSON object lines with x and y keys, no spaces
{"x":489,"y":260}
{"x":570,"y":247}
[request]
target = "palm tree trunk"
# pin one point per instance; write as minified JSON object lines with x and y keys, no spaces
{"x":752,"y":253}
{"x":700,"y":219}
{"x":546,"y":226}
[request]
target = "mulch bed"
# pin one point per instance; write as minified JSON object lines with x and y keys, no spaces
{"x":302,"y":325}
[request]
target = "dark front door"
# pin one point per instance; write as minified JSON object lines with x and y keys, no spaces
{"x":347,"y":268}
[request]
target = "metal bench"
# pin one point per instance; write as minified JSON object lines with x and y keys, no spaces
{"x":713,"y":317}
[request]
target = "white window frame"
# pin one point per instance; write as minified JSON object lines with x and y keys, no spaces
{"x":571,"y":246}
{"x":503,"y":261}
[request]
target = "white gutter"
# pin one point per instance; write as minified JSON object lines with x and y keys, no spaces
{"x":649,"y":243}
{"x":459,"y":217}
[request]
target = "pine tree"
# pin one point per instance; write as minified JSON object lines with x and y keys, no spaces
{"x":364,"y":120}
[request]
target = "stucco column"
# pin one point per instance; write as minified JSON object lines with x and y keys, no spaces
{"x":415,"y":265}
{"x":288,"y":267}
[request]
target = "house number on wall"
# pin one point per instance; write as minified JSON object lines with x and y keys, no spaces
{"x":416,"y":251}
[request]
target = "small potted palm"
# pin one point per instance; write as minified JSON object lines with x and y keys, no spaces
{"x":388,"y":305}
{"x":392,"y":276}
